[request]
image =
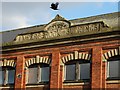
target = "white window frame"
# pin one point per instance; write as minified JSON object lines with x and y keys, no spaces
{"x":108,"y":74}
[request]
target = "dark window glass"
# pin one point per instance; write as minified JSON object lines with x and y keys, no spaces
{"x":33,"y":75}
{"x":2,"y":77}
{"x":85,"y":71}
{"x":11,"y":74}
{"x":77,"y":70}
{"x":113,"y":69}
{"x":70,"y":72}
{"x":44,"y":74}
{"x":7,"y":75}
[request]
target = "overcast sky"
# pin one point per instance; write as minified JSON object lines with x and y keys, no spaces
{"x":24,"y":14}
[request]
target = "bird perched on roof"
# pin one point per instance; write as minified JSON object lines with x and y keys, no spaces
{"x":54,"y":6}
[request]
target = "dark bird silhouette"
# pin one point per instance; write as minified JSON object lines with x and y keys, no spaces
{"x":54,"y":6}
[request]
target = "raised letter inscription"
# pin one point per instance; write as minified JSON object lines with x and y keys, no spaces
{"x":61,"y":29}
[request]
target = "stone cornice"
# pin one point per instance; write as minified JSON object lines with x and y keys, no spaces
{"x":60,"y":42}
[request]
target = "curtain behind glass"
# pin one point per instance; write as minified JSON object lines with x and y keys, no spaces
{"x":114,"y":69}
{"x":70,"y":72}
{"x":32,"y":76}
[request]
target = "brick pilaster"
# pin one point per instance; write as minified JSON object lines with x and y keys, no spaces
{"x":96,"y":79}
{"x":19,"y":80}
{"x":104,"y":75}
{"x":61,"y":77}
{"x":55,"y":70}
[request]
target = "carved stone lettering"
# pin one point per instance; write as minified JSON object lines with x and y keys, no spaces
{"x":30,"y":37}
{"x":85,"y":28}
{"x":27,"y":37}
{"x":60,"y":29}
{"x":19,"y":38}
{"x":37,"y":36}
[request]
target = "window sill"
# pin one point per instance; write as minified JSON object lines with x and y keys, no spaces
{"x":36,"y":85}
{"x":112,"y":81}
{"x":76,"y":83}
{"x":1,"y":87}
{"x":80,"y":82}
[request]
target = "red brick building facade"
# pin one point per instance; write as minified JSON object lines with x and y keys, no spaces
{"x":63,"y":54}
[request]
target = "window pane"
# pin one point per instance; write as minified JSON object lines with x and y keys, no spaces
{"x":85,"y":71}
{"x":2,"y":77}
{"x":114,"y":68}
{"x":70,"y":72}
{"x":11,"y":75}
{"x":44,"y":74}
{"x":32,"y":78}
